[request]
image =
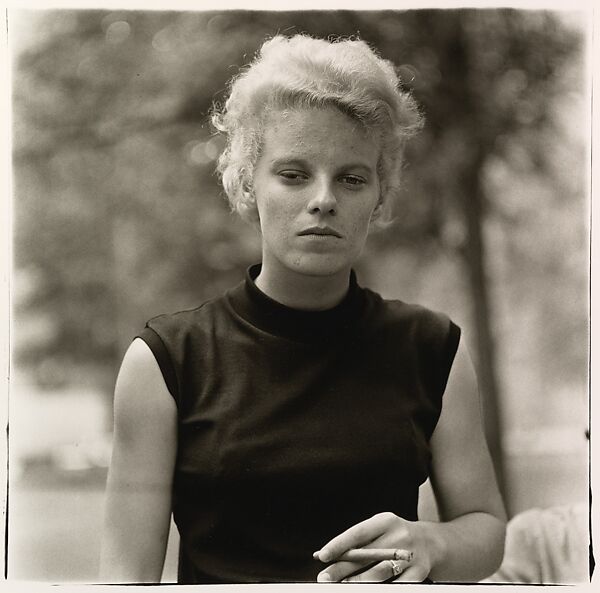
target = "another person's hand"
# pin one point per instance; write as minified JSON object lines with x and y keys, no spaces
{"x":384,"y":530}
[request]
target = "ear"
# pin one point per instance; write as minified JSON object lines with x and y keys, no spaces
{"x":376,"y":211}
{"x":380,"y":217}
{"x":247,"y":192}
{"x":248,"y":211}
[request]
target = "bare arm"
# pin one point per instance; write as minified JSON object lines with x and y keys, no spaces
{"x":138,"y":494}
{"x":470,"y":541}
{"x":468,"y":545}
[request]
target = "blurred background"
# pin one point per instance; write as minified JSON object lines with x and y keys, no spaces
{"x":118,"y":216}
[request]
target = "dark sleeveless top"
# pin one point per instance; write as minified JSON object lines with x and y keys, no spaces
{"x":295,"y":425}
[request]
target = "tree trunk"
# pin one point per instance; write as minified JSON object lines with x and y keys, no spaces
{"x":474,"y":252}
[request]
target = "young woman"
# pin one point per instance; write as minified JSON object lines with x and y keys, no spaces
{"x":292,"y":420}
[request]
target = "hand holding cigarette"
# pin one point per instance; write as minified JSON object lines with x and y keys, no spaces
{"x":395,"y":560}
{"x":363,"y":552}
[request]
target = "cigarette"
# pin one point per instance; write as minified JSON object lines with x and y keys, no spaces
{"x":376,"y":555}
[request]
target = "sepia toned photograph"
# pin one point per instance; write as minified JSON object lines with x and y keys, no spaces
{"x":299,"y":296}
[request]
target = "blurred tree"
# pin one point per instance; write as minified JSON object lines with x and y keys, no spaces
{"x":484,"y":76}
{"x":118,"y":214}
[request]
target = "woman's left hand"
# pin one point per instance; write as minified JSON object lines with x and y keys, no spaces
{"x":384,"y":530}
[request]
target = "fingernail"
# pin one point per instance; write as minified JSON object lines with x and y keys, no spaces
{"x":316,"y":554}
{"x":324,"y":577}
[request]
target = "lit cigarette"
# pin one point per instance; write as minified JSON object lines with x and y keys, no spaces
{"x":375,"y":555}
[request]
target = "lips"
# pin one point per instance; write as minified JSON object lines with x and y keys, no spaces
{"x":323,"y":231}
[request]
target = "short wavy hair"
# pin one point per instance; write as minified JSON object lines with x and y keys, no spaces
{"x":299,"y":72}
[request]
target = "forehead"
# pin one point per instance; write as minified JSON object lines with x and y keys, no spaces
{"x":321,"y":133}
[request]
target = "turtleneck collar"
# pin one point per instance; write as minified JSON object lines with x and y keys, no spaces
{"x":269,"y":315}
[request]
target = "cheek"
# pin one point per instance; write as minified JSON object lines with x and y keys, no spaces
{"x":365,"y":217}
{"x":361,"y":226}
{"x":273,"y":215}
{"x":270,"y":210}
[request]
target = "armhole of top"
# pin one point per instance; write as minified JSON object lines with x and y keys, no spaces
{"x":450,"y":350}
{"x":452,"y":342}
{"x":163,"y":358}
{"x":446,"y":353}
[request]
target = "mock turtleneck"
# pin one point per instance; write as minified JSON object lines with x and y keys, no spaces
{"x":294,"y":425}
{"x":275,"y":318}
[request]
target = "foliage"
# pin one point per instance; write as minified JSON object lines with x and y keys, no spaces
{"x":119,"y":216}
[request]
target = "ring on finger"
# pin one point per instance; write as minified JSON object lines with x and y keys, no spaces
{"x":403,"y":555}
{"x":397,"y":567}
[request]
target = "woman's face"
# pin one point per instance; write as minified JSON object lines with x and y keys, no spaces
{"x":316,"y":187}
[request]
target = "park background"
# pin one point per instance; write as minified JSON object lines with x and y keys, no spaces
{"x":118,"y":216}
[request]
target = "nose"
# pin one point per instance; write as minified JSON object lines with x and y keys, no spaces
{"x":323,"y":200}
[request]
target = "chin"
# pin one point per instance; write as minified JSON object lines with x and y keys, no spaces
{"x":320,"y":265}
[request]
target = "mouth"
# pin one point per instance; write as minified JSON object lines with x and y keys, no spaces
{"x":320,"y":231}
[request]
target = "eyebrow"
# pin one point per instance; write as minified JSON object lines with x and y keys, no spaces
{"x":292,"y":160}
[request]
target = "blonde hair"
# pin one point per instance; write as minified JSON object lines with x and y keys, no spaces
{"x":302,"y":71}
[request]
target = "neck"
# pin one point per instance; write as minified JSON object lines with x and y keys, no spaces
{"x":302,"y":291}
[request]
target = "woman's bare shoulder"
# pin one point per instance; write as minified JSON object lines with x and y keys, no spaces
{"x":140,"y":391}
{"x":139,"y":356}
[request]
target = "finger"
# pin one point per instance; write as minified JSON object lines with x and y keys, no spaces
{"x":373,"y":554}
{"x":382,"y":571}
{"x":412,"y":574}
{"x":340,"y":569}
{"x":334,"y":573}
{"x":359,"y":535}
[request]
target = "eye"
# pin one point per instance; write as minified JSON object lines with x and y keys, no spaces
{"x":354,"y":181}
{"x":292,"y":176}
